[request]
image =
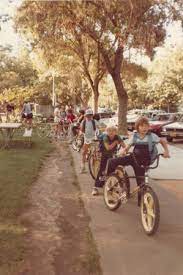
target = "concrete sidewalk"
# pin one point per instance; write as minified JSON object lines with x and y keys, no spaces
{"x":169,"y":169}
{"x":122,"y":244}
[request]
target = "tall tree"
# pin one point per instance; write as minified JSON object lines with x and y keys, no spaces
{"x":115,"y":26}
{"x":47,"y":30}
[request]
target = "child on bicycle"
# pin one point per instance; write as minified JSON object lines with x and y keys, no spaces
{"x":142,"y":156}
{"x":108,"y":147}
{"x":88,"y":128}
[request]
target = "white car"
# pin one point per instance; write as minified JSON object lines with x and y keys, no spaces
{"x":173,"y":130}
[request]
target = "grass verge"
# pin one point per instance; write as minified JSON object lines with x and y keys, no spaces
{"x":91,"y":260}
{"x":19,"y":168}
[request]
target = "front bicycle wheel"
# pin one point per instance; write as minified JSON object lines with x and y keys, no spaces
{"x":112,"y":192}
{"x":150,"y":211}
{"x":94,"y":164}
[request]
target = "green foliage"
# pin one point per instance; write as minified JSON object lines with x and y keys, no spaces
{"x":18,"y":169}
{"x":111,"y":27}
{"x":166,"y":79}
{"x":15,"y":72}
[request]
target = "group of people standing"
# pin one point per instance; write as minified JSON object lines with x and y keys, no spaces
{"x":9,"y":109}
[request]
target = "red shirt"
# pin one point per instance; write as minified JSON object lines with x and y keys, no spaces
{"x":71,"y":117}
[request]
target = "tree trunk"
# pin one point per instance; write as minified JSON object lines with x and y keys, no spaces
{"x":95,"y":95}
{"x":122,"y":104}
{"x":95,"y":102}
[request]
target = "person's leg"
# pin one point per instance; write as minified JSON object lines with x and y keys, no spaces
{"x":71,"y":133}
{"x":139,"y":172}
{"x":59,"y":129}
{"x":103,"y":162}
{"x":113,"y":163}
{"x":56,"y":130}
{"x":29,"y":123}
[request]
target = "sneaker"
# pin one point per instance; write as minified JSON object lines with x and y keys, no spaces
{"x":95,"y":191}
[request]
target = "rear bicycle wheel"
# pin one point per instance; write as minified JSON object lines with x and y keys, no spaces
{"x":150,"y":211}
{"x":112,"y":192}
{"x":94,"y":164}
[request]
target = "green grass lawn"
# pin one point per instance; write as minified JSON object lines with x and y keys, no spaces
{"x":19,"y":168}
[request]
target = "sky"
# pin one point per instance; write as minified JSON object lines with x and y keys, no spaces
{"x":9,"y":36}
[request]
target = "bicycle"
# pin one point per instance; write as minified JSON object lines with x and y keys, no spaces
{"x":94,"y":158}
{"x":117,"y":192}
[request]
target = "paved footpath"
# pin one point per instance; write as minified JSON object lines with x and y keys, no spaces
{"x":122,"y":244}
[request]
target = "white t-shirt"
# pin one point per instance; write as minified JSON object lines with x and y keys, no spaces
{"x":57,"y":115}
{"x":89,"y":129}
{"x":27,"y":109}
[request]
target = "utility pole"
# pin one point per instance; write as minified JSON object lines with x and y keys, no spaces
{"x":53,"y":89}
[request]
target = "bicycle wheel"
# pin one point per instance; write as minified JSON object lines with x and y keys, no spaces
{"x":112,"y":192}
{"x":124,"y":179}
{"x":43,"y":130}
{"x":94,"y":164}
{"x":66,"y":130}
{"x":150,"y":211}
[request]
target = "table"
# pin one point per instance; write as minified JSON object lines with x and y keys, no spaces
{"x":7,"y":130}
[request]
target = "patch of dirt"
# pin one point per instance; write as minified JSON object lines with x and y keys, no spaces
{"x":58,"y":239}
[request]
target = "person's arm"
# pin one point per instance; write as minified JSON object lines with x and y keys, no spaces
{"x":121,"y":142}
{"x":165,"y":147}
{"x":128,"y":146}
{"x":82,"y":127}
{"x":111,"y":146}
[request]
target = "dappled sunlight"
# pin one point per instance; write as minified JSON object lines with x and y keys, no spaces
{"x":12,"y":228}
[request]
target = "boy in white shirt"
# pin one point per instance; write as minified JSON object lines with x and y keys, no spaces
{"x":88,"y":128}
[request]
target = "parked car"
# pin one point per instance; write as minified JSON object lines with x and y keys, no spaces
{"x":159,"y":120}
{"x":173,"y":130}
{"x":134,"y":114}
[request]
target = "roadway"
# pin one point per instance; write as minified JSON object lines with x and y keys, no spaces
{"x":123,"y":246}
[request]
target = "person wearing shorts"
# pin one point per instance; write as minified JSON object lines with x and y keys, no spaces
{"x":27,"y":113}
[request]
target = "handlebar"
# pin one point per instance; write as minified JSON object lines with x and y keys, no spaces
{"x":124,"y":137}
{"x":157,"y":163}
{"x":149,"y":167}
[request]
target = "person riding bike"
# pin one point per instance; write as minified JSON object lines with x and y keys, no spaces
{"x":88,"y":128}
{"x":76,"y":127}
{"x":108,"y":147}
{"x":144,"y":152}
{"x":70,"y":116}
